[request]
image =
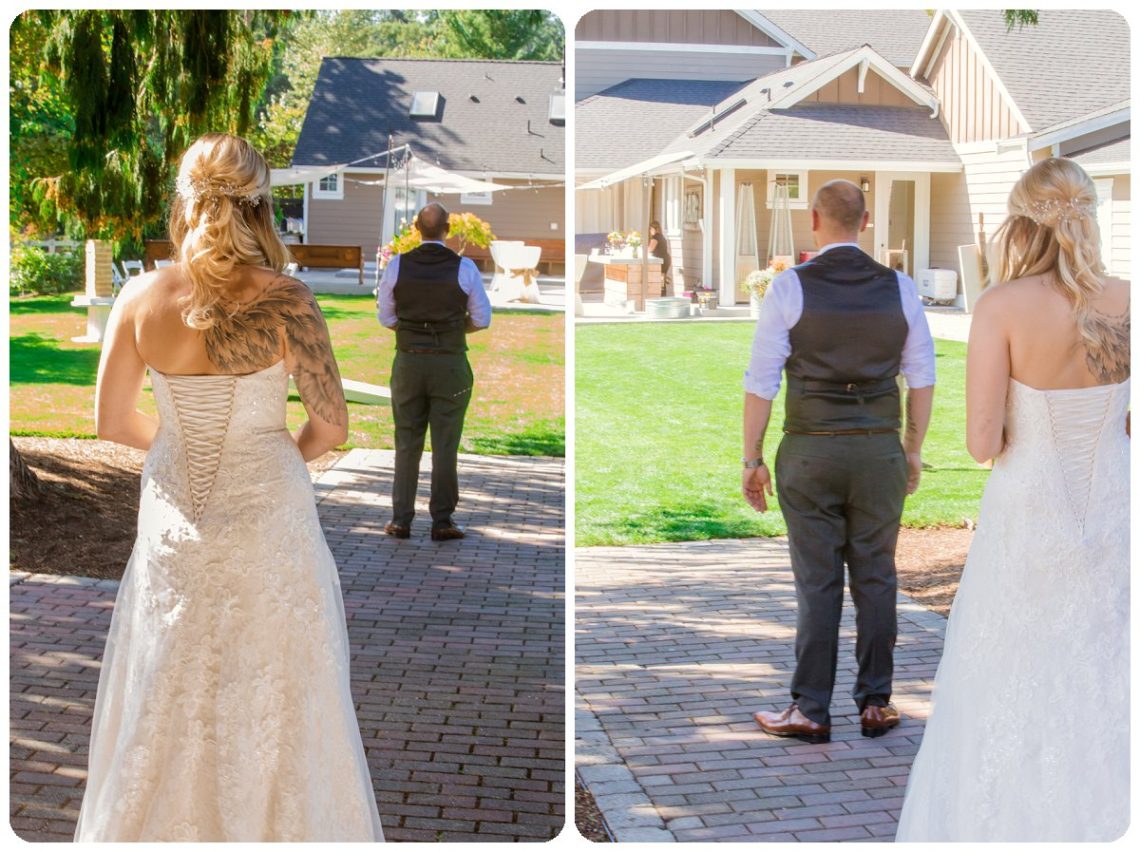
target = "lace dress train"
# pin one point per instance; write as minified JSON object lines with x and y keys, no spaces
{"x":1028,"y":738}
{"x":223,"y":710}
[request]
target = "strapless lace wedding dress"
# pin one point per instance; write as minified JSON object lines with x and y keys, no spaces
{"x":223,"y":710}
{"x":1028,"y":736}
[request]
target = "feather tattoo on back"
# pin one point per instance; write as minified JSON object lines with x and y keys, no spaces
{"x":248,"y":339}
{"x":1109,"y":359}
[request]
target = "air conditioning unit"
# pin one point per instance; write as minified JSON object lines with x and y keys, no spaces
{"x":940,"y":285}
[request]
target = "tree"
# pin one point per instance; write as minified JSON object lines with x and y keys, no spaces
{"x":502,"y":34}
{"x":1019,"y":17}
{"x":22,"y":480}
{"x":139,"y":86}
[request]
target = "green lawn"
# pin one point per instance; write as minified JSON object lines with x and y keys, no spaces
{"x":658,"y":437}
{"x":517,"y":408}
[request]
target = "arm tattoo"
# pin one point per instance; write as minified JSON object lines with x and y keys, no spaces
{"x":1108,"y":360}
{"x":249,"y":339}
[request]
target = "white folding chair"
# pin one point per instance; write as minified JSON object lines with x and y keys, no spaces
{"x":291,"y":267}
{"x":158,"y":264}
{"x":132,"y":267}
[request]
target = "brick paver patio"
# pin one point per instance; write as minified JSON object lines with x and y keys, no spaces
{"x":677,"y":646}
{"x":457,"y":655}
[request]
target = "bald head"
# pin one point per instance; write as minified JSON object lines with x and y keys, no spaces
{"x":431,"y":221}
{"x":840,"y":204}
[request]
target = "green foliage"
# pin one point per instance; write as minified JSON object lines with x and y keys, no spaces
{"x":502,"y":34}
{"x":36,"y":271}
{"x":135,"y":88}
{"x":1019,"y":18}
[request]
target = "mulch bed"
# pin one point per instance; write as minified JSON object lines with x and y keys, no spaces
{"x":84,"y":521}
{"x":587,"y":817}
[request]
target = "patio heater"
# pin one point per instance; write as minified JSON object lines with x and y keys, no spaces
{"x":747,"y":242}
{"x":780,"y":242}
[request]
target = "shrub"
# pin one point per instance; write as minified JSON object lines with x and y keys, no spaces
{"x":36,"y":271}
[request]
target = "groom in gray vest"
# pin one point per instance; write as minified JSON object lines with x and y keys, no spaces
{"x":433,"y":298}
{"x":842,"y":327}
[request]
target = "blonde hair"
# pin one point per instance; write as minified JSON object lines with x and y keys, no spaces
{"x":1051,"y":228}
{"x":221,"y":218}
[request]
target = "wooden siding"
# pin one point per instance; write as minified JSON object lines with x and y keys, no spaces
{"x":676,"y":27}
{"x":973,"y":108}
{"x":801,"y":219}
{"x":352,"y":220}
{"x":844,"y":89}
{"x":1119,"y":255}
{"x":599,"y":69}
{"x":956,"y":200}
{"x":517,"y":214}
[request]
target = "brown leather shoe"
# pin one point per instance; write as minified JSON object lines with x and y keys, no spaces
{"x":447,"y":533}
{"x":877,"y":721}
{"x":397,"y":530}
{"x":792,"y":723}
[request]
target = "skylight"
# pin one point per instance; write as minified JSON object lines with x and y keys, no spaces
{"x":425,"y":105}
{"x":557,"y":106}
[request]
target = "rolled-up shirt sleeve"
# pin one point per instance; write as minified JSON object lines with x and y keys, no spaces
{"x":478,"y":302}
{"x":779,"y":312}
{"x":917,"y":365}
{"x":386,"y":294}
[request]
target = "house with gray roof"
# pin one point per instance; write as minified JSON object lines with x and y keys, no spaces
{"x":491,"y":120}
{"x":918,"y":114}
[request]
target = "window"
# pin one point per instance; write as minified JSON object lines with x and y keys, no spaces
{"x":424,"y":105}
{"x":330,"y":187}
{"x":557,"y":113}
{"x":795,"y":183}
{"x":483,"y":198}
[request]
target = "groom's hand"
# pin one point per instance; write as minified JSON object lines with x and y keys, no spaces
{"x":914,"y":471}
{"x":756,"y":483}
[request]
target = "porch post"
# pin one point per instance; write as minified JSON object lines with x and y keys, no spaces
{"x":727,"y":204}
{"x":707,"y":231}
{"x":921,"y":222}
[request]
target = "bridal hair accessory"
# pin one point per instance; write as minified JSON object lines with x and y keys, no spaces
{"x":1050,"y":211}
{"x":195,"y":190}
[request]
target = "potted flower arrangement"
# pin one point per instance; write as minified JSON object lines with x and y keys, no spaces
{"x":758,"y":281}
{"x":615,"y":242}
{"x":464,"y":228}
{"x":633,"y":242}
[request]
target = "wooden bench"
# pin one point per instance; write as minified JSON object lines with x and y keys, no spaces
{"x":310,"y":256}
{"x":553,"y":253}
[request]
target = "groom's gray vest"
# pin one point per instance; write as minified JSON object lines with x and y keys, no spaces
{"x":431,"y":307}
{"x":846,"y":347}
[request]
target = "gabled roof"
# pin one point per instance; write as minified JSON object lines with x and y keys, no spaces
{"x":787,"y":87}
{"x":894,"y":33}
{"x":619,"y":126}
{"x":1118,"y":152}
{"x":841,"y":132}
{"x":1072,"y":63}
{"x":483,"y":124}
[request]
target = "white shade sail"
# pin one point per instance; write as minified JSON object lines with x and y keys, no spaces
{"x":302,"y":174}
{"x":420,"y":175}
{"x":651,"y":166}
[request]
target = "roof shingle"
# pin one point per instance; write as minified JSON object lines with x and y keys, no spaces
{"x":895,"y":33}
{"x":487,"y":105}
{"x":1071,"y":63}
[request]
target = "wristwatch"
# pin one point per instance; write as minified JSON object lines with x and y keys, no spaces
{"x":752,"y":465}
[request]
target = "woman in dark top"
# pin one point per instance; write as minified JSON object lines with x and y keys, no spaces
{"x":659,"y":247}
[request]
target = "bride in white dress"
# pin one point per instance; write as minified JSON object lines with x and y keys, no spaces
{"x":223,"y":710}
{"x":1028,"y":739}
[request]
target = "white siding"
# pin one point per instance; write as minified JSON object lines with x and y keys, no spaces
{"x":1119,"y":255}
{"x":600,"y":69}
{"x":957,"y":200}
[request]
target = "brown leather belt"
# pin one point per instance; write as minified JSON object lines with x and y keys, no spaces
{"x":846,"y":432}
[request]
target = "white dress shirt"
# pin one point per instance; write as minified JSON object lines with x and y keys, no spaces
{"x":470,"y":281}
{"x":780,"y":311}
